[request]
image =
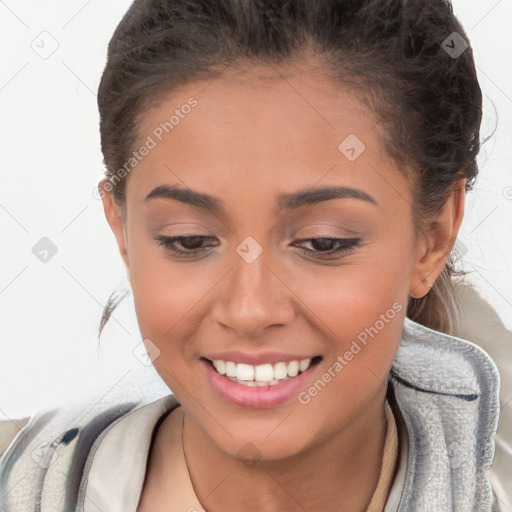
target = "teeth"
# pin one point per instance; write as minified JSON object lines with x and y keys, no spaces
{"x":293,"y":368}
{"x":254,"y":384}
{"x":230,"y":369}
{"x":244,"y":372}
{"x":220,"y":366}
{"x":263,"y":374}
{"x":304,"y":365}
{"x":280,"y":371}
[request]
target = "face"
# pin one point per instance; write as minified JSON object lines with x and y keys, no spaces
{"x":305,"y":251}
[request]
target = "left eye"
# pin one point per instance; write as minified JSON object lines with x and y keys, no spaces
{"x":321,"y":246}
{"x":330,"y":246}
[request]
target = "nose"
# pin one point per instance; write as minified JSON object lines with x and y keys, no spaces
{"x":254,"y":298}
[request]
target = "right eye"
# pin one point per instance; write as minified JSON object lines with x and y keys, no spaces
{"x":191,"y":244}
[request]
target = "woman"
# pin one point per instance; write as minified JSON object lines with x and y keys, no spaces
{"x":285,"y":182}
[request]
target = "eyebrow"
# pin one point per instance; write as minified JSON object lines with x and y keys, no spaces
{"x":286,"y":201}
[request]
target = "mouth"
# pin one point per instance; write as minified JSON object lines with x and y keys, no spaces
{"x":263,"y":375}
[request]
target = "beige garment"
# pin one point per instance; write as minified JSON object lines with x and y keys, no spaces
{"x":389,"y":462}
{"x":186,"y":499}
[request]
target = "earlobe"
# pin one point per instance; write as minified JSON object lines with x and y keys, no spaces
{"x":436,"y":244}
{"x":114,"y":219}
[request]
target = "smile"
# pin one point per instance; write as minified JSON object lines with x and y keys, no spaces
{"x":262,"y":375}
{"x":268,"y":383}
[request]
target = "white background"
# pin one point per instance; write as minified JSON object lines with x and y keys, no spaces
{"x":51,"y":163}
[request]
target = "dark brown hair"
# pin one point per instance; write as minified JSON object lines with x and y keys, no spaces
{"x":393,"y":52}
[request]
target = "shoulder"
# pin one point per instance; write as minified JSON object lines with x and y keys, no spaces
{"x":481,"y":324}
{"x":9,"y":429}
{"x":50,"y":450}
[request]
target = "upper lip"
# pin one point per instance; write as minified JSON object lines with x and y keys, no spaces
{"x":256,"y":358}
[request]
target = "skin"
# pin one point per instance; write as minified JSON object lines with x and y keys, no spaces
{"x":252,"y":136}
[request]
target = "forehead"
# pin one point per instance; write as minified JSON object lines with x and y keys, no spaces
{"x":267,"y":100}
{"x":258,"y":130}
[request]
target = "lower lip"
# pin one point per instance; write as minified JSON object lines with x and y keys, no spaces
{"x":255,"y":397}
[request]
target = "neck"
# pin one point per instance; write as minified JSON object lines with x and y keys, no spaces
{"x":339,"y":473}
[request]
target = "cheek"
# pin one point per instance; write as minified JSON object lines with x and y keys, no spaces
{"x":365,"y":320}
{"x":167,"y":295}
{"x":360,"y":310}
{"x":169,"y":307}
{"x":347,"y":299}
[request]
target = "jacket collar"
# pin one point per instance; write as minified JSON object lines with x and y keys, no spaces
{"x":447,"y":392}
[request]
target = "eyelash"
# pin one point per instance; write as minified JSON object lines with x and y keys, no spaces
{"x":345,"y":245}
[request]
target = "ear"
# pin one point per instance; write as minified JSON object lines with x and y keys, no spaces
{"x":115,"y":218}
{"x":439,"y":238}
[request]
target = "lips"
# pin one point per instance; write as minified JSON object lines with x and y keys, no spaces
{"x":262,"y":385}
